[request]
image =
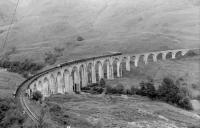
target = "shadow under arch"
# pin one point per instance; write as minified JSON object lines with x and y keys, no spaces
{"x":106,"y":69}
{"x":159,"y":56}
{"x":178,"y":54}
{"x":141,"y":60}
{"x":150,"y":58}
{"x":66,"y":77}
{"x":98,"y":70}
{"x":169,"y":55}
{"x":53,"y":85}
{"x":123,"y":66}
{"x":115,"y":65}
{"x":89,"y":73}
{"x":75,"y":79}
{"x":81,"y":75}
{"x":60,"y":83}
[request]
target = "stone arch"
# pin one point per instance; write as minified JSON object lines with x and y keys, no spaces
{"x":46,"y":90}
{"x":106,"y":69}
{"x":60,"y":83}
{"x":123,"y":66}
{"x":141,"y":60}
{"x":178,"y":54}
{"x":89,"y":72}
{"x":66,"y":77}
{"x":98,"y":70}
{"x":169,"y":55}
{"x":159,"y":56}
{"x":53,"y":85}
{"x":116,"y":68}
{"x":75,"y":79}
{"x":81,"y":75}
{"x":150,"y":57}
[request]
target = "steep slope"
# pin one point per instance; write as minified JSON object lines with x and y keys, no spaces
{"x":9,"y":83}
{"x":106,"y":25}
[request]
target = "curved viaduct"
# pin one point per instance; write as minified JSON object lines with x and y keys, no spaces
{"x":70,"y":77}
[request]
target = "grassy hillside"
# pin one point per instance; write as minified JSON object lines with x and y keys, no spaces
{"x":105,"y":25}
{"x":90,"y":111}
{"x":9,"y":83}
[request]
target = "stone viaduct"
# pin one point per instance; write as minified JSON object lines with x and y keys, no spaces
{"x":70,"y":77}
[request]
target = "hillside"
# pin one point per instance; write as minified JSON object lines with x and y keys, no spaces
{"x":105,"y":25}
{"x":9,"y":83}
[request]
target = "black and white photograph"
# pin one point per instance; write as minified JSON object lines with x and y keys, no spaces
{"x":99,"y":63}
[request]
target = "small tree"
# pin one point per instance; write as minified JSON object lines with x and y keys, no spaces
{"x":37,"y":96}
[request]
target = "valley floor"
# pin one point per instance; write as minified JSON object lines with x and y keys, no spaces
{"x":87,"y":111}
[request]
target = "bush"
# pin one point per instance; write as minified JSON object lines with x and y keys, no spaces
{"x":10,"y":115}
{"x":191,"y":53}
{"x":80,"y":38}
{"x":37,"y":96}
{"x":148,"y":89}
{"x":102,"y":82}
{"x":134,"y":90}
{"x":25,"y":68}
{"x":119,"y":89}
{"x":173,"y":93}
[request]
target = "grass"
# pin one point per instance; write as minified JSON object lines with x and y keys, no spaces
{"x":9,"y":83}
{"x":143,"y":25}
{"x":120,"y":111}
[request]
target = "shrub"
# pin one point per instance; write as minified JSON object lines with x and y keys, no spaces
{"x":37,"y":96}
{"x":119,"y":89}
{"x":173,"y":93}
{"x":147,"y":89}
{"x":80,"y":38}
{"x":102,"y":82}
{"x":191,"y":53}
{"x":134,"y":90}
{"x":10,"y":115}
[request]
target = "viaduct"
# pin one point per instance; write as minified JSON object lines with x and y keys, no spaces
{"x":70,"y":77}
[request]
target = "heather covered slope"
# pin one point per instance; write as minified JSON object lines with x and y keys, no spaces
{"x":105,"y":25}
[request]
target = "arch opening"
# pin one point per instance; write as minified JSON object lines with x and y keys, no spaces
{"x":141,"y":60}
{"x":178,"y":55}
{"x":116,"y":68}
{"x":66,"y":81}
{"x":75,"y":79}
{"x":169,"y":55}
{"x":150,"y":58}
{"x":89,"y":73}
{"x":159,"y":56}
{"x":98,"y":70}
{"x":52,"y":84}
{"x":81,"y":74}
{"x":106,"y":69}
{"x":60,"y":83}
{"x":123,"y":67}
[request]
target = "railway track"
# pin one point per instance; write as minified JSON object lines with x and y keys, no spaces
{"x":28,"y":111}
